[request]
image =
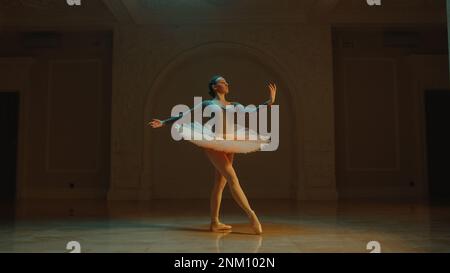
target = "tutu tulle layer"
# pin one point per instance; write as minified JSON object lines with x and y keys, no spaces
{"x":230,"y":143}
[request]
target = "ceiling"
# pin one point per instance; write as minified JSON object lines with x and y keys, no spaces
{"x":107,"y":13}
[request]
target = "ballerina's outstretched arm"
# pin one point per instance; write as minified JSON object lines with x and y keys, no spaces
{"x":156,"y":123}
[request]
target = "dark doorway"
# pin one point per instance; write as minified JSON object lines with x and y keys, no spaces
{"x":437,"y":108}
{"x":9,"y":112}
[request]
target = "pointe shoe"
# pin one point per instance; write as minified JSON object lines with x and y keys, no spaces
{"x":217,"y":227}
{"x":255,"y":224}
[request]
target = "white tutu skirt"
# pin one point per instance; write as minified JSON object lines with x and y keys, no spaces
{"x":203,"y":137}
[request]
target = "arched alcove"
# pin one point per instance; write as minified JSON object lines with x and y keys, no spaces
{"x":179,"y":169}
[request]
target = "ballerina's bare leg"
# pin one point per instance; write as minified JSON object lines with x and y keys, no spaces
{"x":224,"y":165}
{"x":216,"y":198}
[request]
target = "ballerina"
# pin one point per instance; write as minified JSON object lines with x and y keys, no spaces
{"x":221,"y":154}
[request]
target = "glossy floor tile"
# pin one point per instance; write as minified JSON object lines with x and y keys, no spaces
{"x":182,"y":226}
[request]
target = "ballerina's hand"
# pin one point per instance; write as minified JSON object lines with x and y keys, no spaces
{"x":155,"y":123}
{"x":273,"y":92}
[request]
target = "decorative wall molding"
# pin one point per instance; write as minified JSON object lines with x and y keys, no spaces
{"x":151,"y":100}
{"x":395,"y":111}
{"x":287,"y":44}
{"x":48,"y":167}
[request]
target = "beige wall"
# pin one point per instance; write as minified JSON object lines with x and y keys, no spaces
{"x":291,"y":47}
{"x":165,"y":52}
{"x":64,"y":113}
{"x":157,"y":68}
{"x":379,"y":84}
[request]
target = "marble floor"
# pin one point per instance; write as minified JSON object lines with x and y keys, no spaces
{"x":182,"y":226}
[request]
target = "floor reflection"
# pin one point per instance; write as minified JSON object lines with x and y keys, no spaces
{"x":183,"y":226}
